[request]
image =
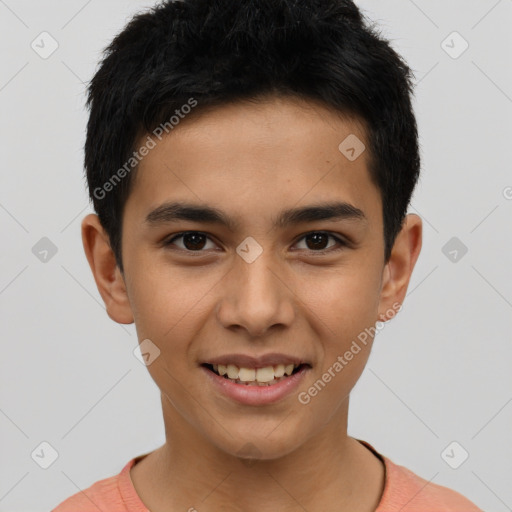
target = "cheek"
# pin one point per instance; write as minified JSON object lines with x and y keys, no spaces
{"x":343,"y":304}
{"x":345,"y":299}
{"x":165,"y":299}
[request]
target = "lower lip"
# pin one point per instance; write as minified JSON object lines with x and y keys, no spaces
{"x":257,"y":395}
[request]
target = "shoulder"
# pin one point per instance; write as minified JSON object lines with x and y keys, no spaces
{"x":100,"y":496}
{"x":408,"y":492}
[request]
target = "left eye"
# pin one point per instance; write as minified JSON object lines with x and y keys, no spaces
{"x":195,"y":241}
{"x":319,"y":238}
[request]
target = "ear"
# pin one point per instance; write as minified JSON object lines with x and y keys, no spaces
{"x":108,"y":277}
{"x":397,"y":271}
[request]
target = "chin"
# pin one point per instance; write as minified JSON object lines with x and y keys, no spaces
{"x":250,"y":447}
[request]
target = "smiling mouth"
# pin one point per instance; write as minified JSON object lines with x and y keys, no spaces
{"x":266,"y":376}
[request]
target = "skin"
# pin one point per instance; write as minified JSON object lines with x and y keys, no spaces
{"x":252,"y":161}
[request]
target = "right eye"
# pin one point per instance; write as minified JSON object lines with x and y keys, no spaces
{"x":192,"y":241}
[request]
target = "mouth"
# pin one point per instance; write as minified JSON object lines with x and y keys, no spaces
{"x":255,"y":383}
{"x":256,"y":376}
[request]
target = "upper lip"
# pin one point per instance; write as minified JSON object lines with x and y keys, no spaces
{"x":248,"y":361}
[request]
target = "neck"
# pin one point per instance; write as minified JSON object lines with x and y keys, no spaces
{"x":330,"y":471}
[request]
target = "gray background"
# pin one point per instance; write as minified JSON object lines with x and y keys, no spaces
{"x":439,"y":372}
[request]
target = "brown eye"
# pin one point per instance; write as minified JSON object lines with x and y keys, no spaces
{"x":191,"y":241}
{"x":317,"y":240}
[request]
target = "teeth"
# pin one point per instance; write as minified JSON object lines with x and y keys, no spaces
{"x":252,"y":375}
{"x":246,"y":374}
{"x":279,"y":370}
{"x":264,"y":374}
{"x":232,"y":371}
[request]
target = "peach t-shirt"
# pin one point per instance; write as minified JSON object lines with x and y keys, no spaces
{"x":404,"y":491}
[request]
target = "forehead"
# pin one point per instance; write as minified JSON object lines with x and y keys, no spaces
{"x":257,"y":157}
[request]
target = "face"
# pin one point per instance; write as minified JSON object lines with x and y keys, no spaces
{"x":277,"y":259}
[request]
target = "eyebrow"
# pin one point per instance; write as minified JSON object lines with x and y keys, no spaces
{"x":176,"y":211}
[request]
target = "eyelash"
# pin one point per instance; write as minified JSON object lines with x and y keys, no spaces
{"x":340,"y":241}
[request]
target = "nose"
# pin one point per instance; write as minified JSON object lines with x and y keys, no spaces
{"x":256,"y":297}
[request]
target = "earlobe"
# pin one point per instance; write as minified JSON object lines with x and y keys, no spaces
{"x":108,"y":278}
{"x":397,"y":271}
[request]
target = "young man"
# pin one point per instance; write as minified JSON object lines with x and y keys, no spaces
{"x":251,"y":164}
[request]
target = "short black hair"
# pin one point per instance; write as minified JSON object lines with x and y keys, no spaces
{"x":208,"y":53}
